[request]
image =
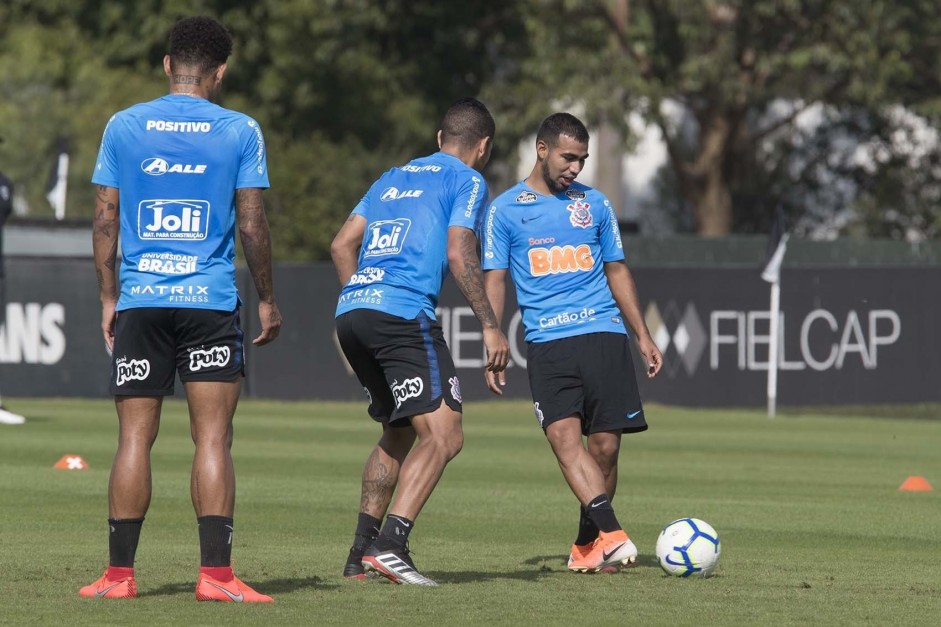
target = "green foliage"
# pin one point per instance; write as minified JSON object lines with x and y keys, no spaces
{"x":813,"y":527}
{"x":345,"y":89}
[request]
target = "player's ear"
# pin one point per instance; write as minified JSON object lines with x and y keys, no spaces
{"x":220,"y":71}
{"x":439,"y":139}
{"x":166,"y":64}
{"x":542,"y":149}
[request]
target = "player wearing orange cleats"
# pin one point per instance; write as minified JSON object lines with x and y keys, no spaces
{"x":226,"y":587}
{"x":607,"y":554}
{"x":116,"y":583}
{"x":560,"y":242}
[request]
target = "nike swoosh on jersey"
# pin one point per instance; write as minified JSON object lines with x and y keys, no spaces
{"x":528,"y":220}
{"x":235,"y":597}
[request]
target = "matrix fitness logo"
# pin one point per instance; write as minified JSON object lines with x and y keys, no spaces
{"x":680,"y":335}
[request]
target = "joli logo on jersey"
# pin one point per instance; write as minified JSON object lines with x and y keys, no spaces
{"x":386,"y":237}
{"x":172,"y":219}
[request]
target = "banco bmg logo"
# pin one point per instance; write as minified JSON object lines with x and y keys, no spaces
{"x":677,"y":331}
{"x":169,"y":219}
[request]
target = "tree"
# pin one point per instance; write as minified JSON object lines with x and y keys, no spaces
{"x":728,"y":65}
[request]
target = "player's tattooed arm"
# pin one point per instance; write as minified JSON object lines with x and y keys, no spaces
{"x":256,"y":246}
{"x":105,"y":228}
{"x":465,"y":266}
{"x":256,"y":240}
{"x":469,"y":276}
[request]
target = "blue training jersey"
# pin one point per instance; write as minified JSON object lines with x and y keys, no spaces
{"x":555,"y":248}
{"x":403,"y":259}
{"x":177,"y":162}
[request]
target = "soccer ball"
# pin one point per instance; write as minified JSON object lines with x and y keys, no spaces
{"x":688,"y":547}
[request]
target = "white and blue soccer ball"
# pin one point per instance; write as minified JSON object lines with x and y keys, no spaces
{"x":688,"y":547}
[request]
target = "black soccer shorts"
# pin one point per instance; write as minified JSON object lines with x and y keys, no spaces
{"x":152,"y":344}
{"x":404,"y":365}
{"x":590,"y":376}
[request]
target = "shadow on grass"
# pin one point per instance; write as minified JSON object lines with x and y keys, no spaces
{"x":548,"y":565}
{"x":271,"y":586}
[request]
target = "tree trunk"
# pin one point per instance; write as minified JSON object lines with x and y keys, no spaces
{"x":705,"y":182}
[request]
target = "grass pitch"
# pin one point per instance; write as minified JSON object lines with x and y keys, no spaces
{"x":813,"y":527}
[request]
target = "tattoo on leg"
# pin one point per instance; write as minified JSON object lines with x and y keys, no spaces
{"x":378,"y":486}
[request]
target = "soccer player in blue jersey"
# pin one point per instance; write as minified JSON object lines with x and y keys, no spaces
{"x":174,"y":177}
{"x":415,"y":223}
{"x":561,"y":243}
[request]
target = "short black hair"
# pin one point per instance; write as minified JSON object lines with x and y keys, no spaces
{"x":466,"y":122}
{"x":559,"y":124}
{"x":202,"y":43}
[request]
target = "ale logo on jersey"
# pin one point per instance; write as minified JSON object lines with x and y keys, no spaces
{"x":166,"y":219}
{"x":386,"y":237}
{"x":393,"y":193}
{"x":155,"y":166}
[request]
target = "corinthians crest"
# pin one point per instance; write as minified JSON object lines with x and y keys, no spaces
{"x":580,"y":214}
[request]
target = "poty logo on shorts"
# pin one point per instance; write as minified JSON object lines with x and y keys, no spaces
{"x":539,"y":415}
{"x":155,"y":166}
{"x":386,"y":237}
{"x":173,"y":219}
{"x":216,"y":356}
{"x":410,"y":388}
{"x":133,"y":370}
{"x":455,"y":389}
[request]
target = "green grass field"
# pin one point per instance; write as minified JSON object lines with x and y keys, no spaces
{"x":813,"y":527}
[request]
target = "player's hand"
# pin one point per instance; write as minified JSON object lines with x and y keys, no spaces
{"x":495,"y":381}
{"x":109,"y":315}
{"x":498,"y":349}
{"x":652,"y":356}
{"x":270,"y":317}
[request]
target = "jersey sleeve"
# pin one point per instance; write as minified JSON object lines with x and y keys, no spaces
{"x":469,"y":202}
{"x":106,"y":167}
{"x":495,"y":241}
{"x":361,"y":207}
{"x":609,"y":232}
{"x":253,"y":165}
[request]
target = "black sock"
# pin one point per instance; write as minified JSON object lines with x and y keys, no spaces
{"x":587,"y":529}
{"x":602,"y":514}
{"x":215,"y":540}
{"x":123,"y":536}
{"x":396,"y":530}
{"x":367,"y":530}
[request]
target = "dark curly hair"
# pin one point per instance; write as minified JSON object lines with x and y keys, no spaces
{"x":559,"y":124}
{"x":201,"y":43}
{"x":466,"y":122}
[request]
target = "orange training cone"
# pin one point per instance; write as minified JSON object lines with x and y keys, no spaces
{"x":916,"y":484}
{"x":71,"y":462}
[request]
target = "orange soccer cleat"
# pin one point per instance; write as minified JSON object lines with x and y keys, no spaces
{"x":122,"y":586}
{"x":610,"y":550}
{"x":577,"y":558}
{"x":234,"y":591}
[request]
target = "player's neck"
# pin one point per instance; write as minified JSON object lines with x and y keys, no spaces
{"x":537,"y":183}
